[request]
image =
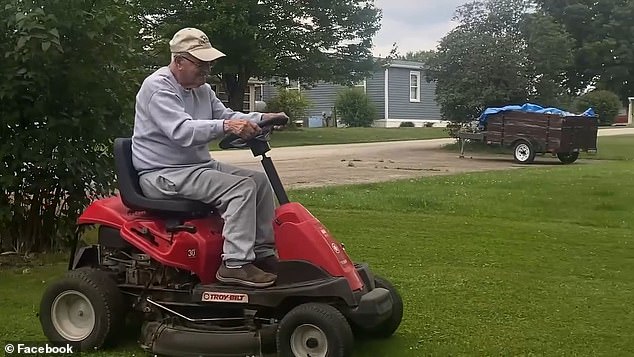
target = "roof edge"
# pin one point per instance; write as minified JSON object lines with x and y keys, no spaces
{"x":405,"y":66}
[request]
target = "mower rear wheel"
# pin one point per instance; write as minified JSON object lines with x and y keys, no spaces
{"x":84,"y":307}
{"x":389,"y":326}
{"x":316,"y":330}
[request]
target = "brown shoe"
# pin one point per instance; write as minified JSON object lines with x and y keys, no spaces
{"x":247,"y":275}
{"x":268,"y":264}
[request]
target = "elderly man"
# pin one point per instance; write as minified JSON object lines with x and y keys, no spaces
{"x":177,"y":115}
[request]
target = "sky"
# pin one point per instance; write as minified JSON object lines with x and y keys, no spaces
{"x":413,"y":24}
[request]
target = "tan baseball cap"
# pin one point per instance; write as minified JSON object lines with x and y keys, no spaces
{"x":196,"y":43}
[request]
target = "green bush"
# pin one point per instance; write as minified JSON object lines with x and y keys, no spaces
{"x":606,"y":105}
{"x":291,"y":102}
{"x":453,"y":128}
{"x":406,"y":124}
{"x":354,"y":108}
{"x":70,"y":71}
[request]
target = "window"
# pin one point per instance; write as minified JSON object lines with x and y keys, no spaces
{"x":220,"y":93}
{"x":360,"y":85}
{"x":292,"y":84}
{"x":414,"y":86}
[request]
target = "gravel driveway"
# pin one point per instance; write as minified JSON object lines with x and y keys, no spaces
{"x":321,"y":165}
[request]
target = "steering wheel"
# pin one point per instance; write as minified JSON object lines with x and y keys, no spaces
{"x":233,"y":141}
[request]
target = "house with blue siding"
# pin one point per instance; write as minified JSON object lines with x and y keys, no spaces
{"x":399,"y":92}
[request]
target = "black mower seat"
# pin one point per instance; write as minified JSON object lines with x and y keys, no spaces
{"x":132,"y":195}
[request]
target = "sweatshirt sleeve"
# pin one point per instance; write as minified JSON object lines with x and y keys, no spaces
{"x":221,"y":112}
{"x":168,"y":112}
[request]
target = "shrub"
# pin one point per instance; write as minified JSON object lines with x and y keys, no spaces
{"x":354,"y":108}
{"x":606,"y":105}
{"x":406,"y":124}
{"x":453,"y":128}
{"x":428,"y":124}
{"x":291,"y":102}
{"x":69,"y":76}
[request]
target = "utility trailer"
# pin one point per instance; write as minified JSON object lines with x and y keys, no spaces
{"x":530,"y":134}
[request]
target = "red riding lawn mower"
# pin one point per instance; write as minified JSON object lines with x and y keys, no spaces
{"x":155,"y":262}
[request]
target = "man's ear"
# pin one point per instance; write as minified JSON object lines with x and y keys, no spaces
{"x":179,"y":62}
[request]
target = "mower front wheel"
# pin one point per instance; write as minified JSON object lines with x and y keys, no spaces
{"x":316,"y":330}
{"x":389,"y":326}
{"x":84,"y":307}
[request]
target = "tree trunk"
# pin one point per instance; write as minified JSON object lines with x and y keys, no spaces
{"x":236,"y":85}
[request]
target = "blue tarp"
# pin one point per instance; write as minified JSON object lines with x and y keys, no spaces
{"x":530,"y":108}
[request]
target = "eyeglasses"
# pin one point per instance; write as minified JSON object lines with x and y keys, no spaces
{"x":203,"y":66}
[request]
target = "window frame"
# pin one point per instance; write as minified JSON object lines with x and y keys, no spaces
{"x":411,"y":86}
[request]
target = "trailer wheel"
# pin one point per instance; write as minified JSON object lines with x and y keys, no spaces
{"x":523,"y":152}
{"x":567,"y":157}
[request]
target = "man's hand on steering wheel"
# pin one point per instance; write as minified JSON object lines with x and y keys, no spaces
{"x":243,"y":128}
{"x":267,"y":116}
{"x":240,"y":132}
{"x":276,"y":116}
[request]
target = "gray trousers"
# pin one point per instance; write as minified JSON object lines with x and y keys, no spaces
{"x":243,"y":197}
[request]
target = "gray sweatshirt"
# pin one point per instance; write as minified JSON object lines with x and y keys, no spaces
{"x":173,"y":125}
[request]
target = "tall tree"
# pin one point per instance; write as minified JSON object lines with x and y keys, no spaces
{"x":307,"y":40}
{"x":481,"y":62}
{"x":604,"y":42}
{"x":548,"y":58}
{"x":501,"y":53}
{"x":423,"y":56}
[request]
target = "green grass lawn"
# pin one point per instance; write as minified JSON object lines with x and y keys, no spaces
{"x":608,"y":148}
{"x":532,"y":261}
{"x":613,"y":148}
{"x":322,"y":136}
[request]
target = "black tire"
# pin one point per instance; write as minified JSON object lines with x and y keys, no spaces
{"x":523,"y":152}
{"x":88,"y":291}
{"x":313,"y":329}
{"x":567,"y":157}
{"x":389,"y":326}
